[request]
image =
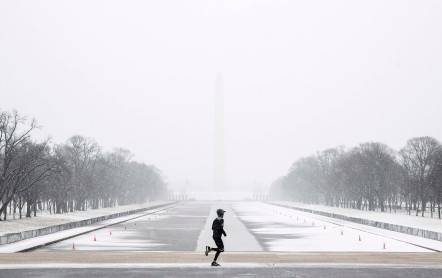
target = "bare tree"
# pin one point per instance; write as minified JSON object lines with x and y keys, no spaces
{"x":418,"y":158}
{"x":329,"y":183}
{"x":145,"y":182}
{"x":111,"y":178}
{"x":435,"y":181}
{"x":58,"y":186}
{"x":379,"y":170}
{"x":82,"y":153}
{"x":33,"y":183}
{"x":21,"y":163}
{"x":349,"y":169}
{"x":305,"y":180}
{"x":67,"y":177}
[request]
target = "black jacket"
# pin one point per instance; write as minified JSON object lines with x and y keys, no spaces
{"x":218,"y":227}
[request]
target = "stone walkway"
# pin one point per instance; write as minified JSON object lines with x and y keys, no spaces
{"x":88,"y":257}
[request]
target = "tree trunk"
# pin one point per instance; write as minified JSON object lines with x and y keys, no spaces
{"x":28,"y":209}
{"x":20,"y":207}
{"x":438,"y":209}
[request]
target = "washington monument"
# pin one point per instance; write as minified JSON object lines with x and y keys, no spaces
{"x":219,"y":171}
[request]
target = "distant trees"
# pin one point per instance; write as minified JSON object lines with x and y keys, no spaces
{"x":330,"y":183}
{"x":371,"y":176}
{"x":435,"y":180}
{"x":420,"y":159}
{"x":67,"y":177}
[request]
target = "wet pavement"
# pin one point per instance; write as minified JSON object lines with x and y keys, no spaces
{"x":186,"y":271}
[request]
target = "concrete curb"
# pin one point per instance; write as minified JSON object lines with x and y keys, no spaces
{"x":14,"y":237}
{"x":382,"y":225}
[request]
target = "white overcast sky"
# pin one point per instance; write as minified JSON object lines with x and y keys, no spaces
{"x":299,"y":77}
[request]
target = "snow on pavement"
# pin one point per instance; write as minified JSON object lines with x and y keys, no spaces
{"x":398,"y":218}
{"x":44,"y":220}
{"x":281,"y":229}
{"x":250,"y":226}
{"x":62,"y":235}
{"x":174,"y":229}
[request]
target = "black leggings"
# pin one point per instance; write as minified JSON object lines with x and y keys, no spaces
{"x":220,"y":246}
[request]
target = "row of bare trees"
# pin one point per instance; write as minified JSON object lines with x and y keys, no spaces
{"x":67,"y":177}
{"x":371,"y":176}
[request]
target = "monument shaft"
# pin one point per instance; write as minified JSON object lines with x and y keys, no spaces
{"x":219,"y":159}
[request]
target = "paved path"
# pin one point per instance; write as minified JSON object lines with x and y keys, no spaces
{"x":239,"y":238}
{"x":101,"y":257}
{"x":240,"y":271}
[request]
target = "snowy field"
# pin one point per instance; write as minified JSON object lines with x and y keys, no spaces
{"x":250,"y":226}
{"x":281,"y":229}
{"x":398,"y":218}
{"x":45,"y":219}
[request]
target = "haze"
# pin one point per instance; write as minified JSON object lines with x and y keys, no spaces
{"x":299,"y":77}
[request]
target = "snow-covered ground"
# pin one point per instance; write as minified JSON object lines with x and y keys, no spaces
{"x":100,"y":228}
{"x":250,"y":227}
{"x":399,"y":218}
{"x":282,"y":229}
{"x":47,"y":220}
{"x":169,"y":229}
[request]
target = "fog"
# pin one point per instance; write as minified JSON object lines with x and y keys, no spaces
{"x":298,"y":77}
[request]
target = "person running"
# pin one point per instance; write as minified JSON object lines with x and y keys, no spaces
{"x":218,"y":230}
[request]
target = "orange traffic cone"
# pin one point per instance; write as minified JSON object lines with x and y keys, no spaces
{"x":73,"y":246}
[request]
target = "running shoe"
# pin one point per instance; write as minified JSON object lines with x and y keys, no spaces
{"x":215,"y":264}
{"x":207,"y":250}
